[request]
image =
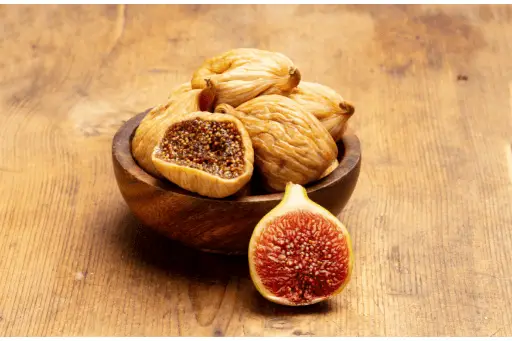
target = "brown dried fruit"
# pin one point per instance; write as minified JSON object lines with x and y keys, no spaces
{"x":205,"y":153}
{"x":182,"y":88}
{"x":289,"y":143}
{"x":326,"y":104}
{"x":244,"y":73}
{"x":330,"y":169}
{"x":182,"y":100}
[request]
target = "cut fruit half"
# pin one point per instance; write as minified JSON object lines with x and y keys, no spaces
{"x":182,"y":100}
{"x":300,"y":253}
{"x":205,"y":153}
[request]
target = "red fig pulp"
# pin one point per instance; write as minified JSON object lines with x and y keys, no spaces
{"x":300,"y":253}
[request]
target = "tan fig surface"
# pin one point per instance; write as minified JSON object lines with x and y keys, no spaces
{"x":290,"y":144}
{"x":182,"y":100}
{"x":244,"y":73}
{"x":205,"y":153}
{"x":326,"y":104}
{"x":330,"y":169}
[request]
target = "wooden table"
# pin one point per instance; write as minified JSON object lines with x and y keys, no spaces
{"x":430,"y":217}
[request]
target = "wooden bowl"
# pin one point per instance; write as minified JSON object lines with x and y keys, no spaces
{"x":217,"y":225}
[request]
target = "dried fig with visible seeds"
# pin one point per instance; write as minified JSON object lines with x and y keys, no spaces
{"x":244,"y":73}
{"x":326,"y":104}
{"x":183,"y":99}
{"x":289,"y":143}
{"x":205,"y":153}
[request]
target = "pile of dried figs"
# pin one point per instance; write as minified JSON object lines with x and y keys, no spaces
{"x":247,"y":112}
{"x":244,"y":111}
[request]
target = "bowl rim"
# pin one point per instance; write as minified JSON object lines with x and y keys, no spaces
{"x":121,"y":152}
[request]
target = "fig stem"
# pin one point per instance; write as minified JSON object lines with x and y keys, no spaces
{"x":208,"y":96}
{"x":347,"y":107}
{"x":294,"y":193}
{"x":295,"y":78}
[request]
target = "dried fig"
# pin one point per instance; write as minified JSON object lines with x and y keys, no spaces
{"x":300,"y":253}
{"x":326,"y":104}
{"x":183,"y":99}
{"x":330,"y":169}
{"x":244,"y":73}
{"x":182,"y":88}
{"x":205,"y":153}
{"x":289,"y":143}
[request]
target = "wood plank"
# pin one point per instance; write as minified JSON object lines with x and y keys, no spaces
{"x":429,"y":218}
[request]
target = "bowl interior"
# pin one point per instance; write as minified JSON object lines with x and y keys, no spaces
{"x":348,"y":158}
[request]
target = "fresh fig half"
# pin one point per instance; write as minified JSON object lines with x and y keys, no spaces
{"x":299,"y":253}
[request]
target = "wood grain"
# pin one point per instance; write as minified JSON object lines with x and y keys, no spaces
{"x":222,"y":225}
{"x":429,"y":218}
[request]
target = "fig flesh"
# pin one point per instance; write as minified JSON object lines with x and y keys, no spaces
{"x":182,"y":100}
{"x":300,"y":253}
{"x":205,"y":153}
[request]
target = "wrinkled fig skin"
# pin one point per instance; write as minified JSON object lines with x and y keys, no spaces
{"x":199,"y":181}
{"x":289,"y":143}
{"x":182,"y":100}
{"x":242,"y":74}
{"x":326,"y":104}
{"x":180,"y":89}
{"x":330,"y":169}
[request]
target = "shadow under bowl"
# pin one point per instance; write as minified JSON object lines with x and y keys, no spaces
{"x":218,"y":225}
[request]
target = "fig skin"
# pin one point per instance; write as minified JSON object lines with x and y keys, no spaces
{"x":330,"y":169}
{"x":182,"y":100}
{"x":244,"y":73}
{"x":326,"y":104}
{"x":202,"y":182}
{"x":289,"y":143}
{"x":296,"y":200}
